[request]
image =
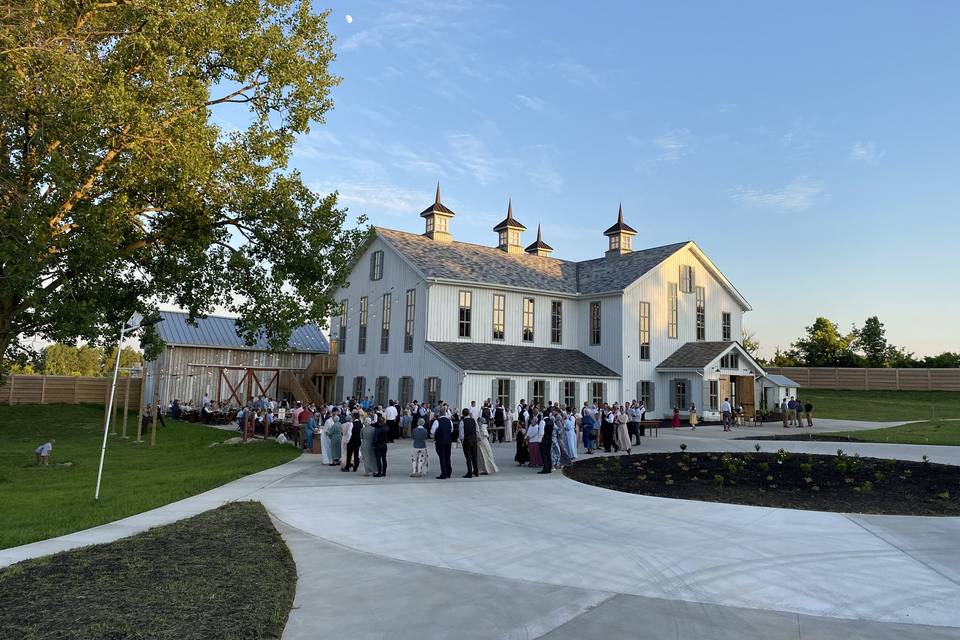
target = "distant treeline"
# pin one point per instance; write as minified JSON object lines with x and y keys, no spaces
{"x":68,"y":360}
{"x":824,"y":345}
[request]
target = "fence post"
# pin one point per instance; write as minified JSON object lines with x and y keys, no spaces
{"x":866,"y":379}
{"x":929,"y":380}
{"x":13,"y":378}
{"x":76,"y":389}
{"x":43,"y":390}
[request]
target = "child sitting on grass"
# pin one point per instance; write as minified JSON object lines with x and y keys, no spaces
{"x":43,"y":452}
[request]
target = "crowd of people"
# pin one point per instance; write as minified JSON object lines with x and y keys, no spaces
{"x":546,"y":436}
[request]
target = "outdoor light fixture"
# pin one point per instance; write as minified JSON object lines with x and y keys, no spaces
{"x":130,"y":325}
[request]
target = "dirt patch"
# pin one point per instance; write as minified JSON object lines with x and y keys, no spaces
{"x":840,"y":483}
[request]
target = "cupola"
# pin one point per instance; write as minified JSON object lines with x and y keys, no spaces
{"x":437,"y":219}
{"x":509,"y":232}
{"x":539,"y":248}
{"x":621,"y":236}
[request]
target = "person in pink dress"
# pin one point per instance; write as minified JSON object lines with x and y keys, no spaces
{"x":676,"y":417}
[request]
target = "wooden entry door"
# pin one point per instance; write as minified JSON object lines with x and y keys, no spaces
{"x":746,"y":395}
{"x":724,"y":390}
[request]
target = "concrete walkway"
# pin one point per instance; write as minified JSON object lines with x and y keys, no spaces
{"x":521,"y":555}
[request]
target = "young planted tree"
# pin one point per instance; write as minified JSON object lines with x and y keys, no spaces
{"x":122,"y":185}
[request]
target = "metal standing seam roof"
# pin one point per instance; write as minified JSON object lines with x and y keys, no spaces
{"x":481,"y":264}
{"x":221,"y":332}
{"x":504,"y":358}
{"x":780,"y":381}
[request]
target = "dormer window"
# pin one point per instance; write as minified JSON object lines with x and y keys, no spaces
{"x":614,"y":243}
{"x":627,"y":242}
{"x":503,"y":238}
{"x":430,"y":224}
{"x":515,"y":237}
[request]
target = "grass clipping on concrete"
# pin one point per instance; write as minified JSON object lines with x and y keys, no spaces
{"x":222,"y":574}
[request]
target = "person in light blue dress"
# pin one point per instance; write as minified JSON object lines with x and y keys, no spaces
{"x":570,"y":435}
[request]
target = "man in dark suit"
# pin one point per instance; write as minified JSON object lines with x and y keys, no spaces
{"x":442,"y":432}
{"x":546,"y":446}
{"x":353,"y":445}
{"x":468,"y":436}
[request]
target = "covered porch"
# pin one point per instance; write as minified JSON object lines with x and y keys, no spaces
{"x":704,"y":374}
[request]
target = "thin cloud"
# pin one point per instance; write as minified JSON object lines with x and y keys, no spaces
{"x":673,"y":145}
{"x":866,"y":152}
{"x":529,"y":102}
{"x":472,"y":157}
{"x":386,"y":198}
{"x":799,"y":195}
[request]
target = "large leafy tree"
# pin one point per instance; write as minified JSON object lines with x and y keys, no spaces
{"x":872,"y":340}
{"x":120,"y":187}
{"x":825,"y":346}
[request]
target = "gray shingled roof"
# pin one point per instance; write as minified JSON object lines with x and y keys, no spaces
{"x":488,"y":265}
{"x":694,"y":355}
{"x":505,"y":358}
{"x":220,"y":331}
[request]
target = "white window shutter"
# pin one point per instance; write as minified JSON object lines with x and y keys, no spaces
{"x":493,"y":392}
{"x":439,"y":395}
{"x":639,"y":390}
{"x":426,"y":389}
{"x":512,"y":401}
{"x":605,"y":398}
{"x":529,"y":397}
{"x":653,"y":396}
{"x":546,"y":391}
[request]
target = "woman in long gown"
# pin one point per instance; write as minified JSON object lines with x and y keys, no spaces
{"x":366,"y":447}
{"x":333,"y":433}
{"x":485,"y":462}
{"x":345,"y":430}
{"x":325,"y":439}
{"x":570,"y":435}
{"x":623,"y":431}
{"x":523,"y":454}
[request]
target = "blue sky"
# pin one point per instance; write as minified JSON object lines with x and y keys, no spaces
{"x":811,"y":150}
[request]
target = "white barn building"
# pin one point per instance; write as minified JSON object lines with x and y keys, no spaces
{"x":431,"y":318}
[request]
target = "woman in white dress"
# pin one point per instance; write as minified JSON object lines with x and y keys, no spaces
{"x":325,"y":439}
{"x":485,"y":463}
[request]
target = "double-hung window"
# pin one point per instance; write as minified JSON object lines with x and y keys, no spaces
{"x":376,"y":265}
{"x":528,"y":319}
{"x":715,"y":395}
{"x":672,"y":310}
{"x":466,"y":310}
{"x":644,"y":330}
{"x":408,"y":320}
{"x":556,"y":321}
{"x":701,"y":314}
{"x":686,"y":278}
{"x":725,"y":326}
{"x":362,"y":332}
{"x":499,"y":304}
{"x":385,"y":325}
{"x":595,"y":323}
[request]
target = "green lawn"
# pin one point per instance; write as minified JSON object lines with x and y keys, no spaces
{"x":928,"y":432}
{"x":222,"y":574}
{"x":882,"y":406}
{"x":43,"y":502}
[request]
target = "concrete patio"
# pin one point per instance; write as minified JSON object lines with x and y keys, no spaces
{"x":521,"y":555}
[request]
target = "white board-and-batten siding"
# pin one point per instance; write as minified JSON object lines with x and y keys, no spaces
{"x":653,"y":288}
{"x":398,"y":278}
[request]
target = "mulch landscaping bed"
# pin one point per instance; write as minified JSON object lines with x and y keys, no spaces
{"x":840,"y":483}
{"x":222,"y":574}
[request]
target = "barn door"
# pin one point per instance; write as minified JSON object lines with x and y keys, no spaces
{"x":725,"y":389}
{"x":746,"y":394}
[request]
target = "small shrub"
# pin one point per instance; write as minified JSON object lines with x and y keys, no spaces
{"x":944,"y":495}
{"x":806,"y":468}
{"x":756,"y":447}
{"x":683,"y":446}
{"x":718,"y":480}
{"x":764,"y":466}
{"x":879,"y":477}
{"x":866,"y":487}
